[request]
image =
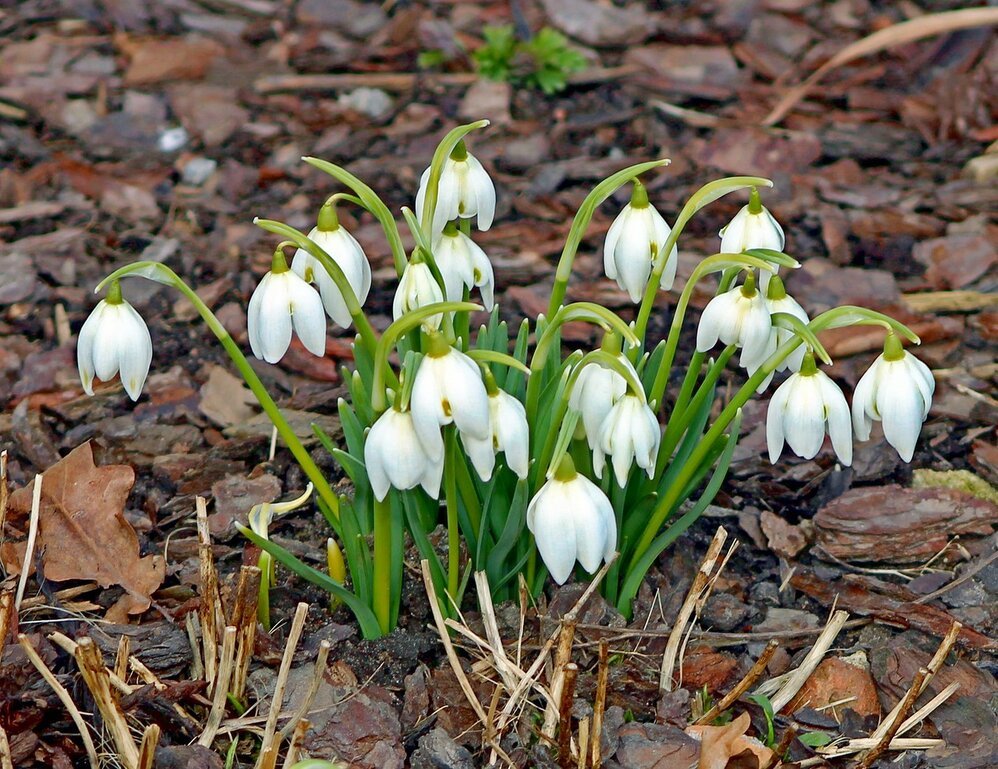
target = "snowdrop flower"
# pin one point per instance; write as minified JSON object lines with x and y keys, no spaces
{"x":282,"y":302}
{"x":463,"y":264}
{"x":465,"y":190}
{"x":740,"y":317}
{"x":896,"y":389}
{"x":508,"y":432}
{"x":395,"y":456}
{"x":753,"y":227}
{"x":801,"y":408}
{"x":571,"y":519}
{"x":448,"y":388}
{"x":417,"y":288}
{"x":633,"y":243}
{"x":343,"y":249}
{"x":629,"y":434}
{"x":595,"y":391}
{"x":114,"y":339}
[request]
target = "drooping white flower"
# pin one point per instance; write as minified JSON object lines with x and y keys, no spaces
{"x":343,"y":249}
{"x":448,"y":388}
{"x":282,"y":302}
{"x":465,"y":191}
{"x":753,"y":227}
{"x":800,"y":410}
{"x":629,"y":434}
{"x":394,"y":456}
{"x":462,"y":263}
{"x":595,"y":391}
{"x":740,"y":317}
{"x":897,"y":389}
{"x":508,"y":432}
{"x":633,"y":243}
{"x":417,"y":288}
{"x":571,"y":520}
{"x":114,"y":339}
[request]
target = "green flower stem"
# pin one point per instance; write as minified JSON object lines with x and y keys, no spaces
{"x":682,"y":414}
{"x":370,"y":200}
{"x":702,"y":197}
{"x":593,"y":200}
{"x":383,"y":563}
{"x":850,"y":315}
{"x":715,"y":263}
{"x":453,"y":529}
{"x":498,"y":358}
{"x":163,"y":274}
{"x":577,"y":311}
{"x":671,"y":495}
{"x":408,"y":322}
{"x":367,"y":335}
{"x":466,"y":485}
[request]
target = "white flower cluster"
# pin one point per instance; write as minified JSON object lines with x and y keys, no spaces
{"x":570,"y":516}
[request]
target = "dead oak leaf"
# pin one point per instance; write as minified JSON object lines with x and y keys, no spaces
{"x":82,"y":531}
{"x":728,"y":747}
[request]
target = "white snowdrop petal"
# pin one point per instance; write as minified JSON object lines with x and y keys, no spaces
{"x":308,"y":316}
{"x":483,"y":275}
{"x":804,"y":420}
{"x":633,"y":259}
{"x":838,"y":417}
{"x":863,"y":405}
{"x":461,"y":385}
{"x":432,"y":477}
{"x":610,"y":243}
{"x":900,"y":408}
{"x":484,"y":192}
{"x":549,"y":518}
{"x":427,"y":413}
{"x":135,"y":351}
{"x":775,"y":434}
{"x":85,"y":347}
{"x":481,"y":454}
{"x":274,"y":330}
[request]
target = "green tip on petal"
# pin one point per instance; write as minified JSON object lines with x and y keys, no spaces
{"x":808,"y":367}
{"x":460,"y":152}
{"x":328,"y":221}
{"x":776,"y":291}
{"x":893,"y":349}
{"x":114,"y":293}
{"x":639,"y":195}
{"x":566,"y":469}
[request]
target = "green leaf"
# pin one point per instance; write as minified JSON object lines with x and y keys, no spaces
{"x":815,"y":739}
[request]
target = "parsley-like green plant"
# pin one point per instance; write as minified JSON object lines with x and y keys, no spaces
{"x":544,"y":61}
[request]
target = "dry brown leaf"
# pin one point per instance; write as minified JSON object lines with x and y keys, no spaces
{"x":722,"y":746}
{"x":83,"y":534}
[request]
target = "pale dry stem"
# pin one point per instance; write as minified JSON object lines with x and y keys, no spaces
{"x":695,"y":597}
{"x":64,"y":698}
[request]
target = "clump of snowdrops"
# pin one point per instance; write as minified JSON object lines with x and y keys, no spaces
{"x":538,"y":461}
